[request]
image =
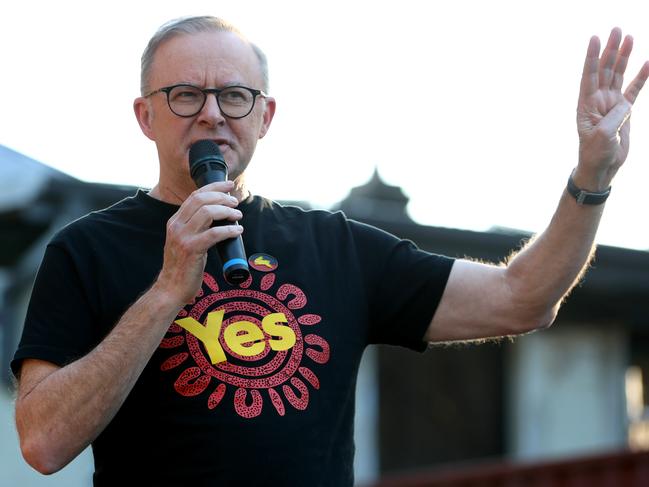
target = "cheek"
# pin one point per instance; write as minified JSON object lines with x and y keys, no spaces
{"x":252,"y":130}
{"x":174,"y":131}
{"x":172,"y":141}
{"x":242,"y":134}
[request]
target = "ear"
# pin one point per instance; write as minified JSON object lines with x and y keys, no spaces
{"x":144,"y":114}
{"x":269,"y":113}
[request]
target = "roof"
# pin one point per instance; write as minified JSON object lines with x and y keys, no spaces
{"x":376,"y":200}
{"x":22,"y":179}
{"x":35,"y":198}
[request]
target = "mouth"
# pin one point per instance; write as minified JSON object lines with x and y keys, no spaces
{"x":223,"y":146}
{"x":222,"y":143}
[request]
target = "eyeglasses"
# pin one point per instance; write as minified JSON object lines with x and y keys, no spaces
{"x":188,"y":100}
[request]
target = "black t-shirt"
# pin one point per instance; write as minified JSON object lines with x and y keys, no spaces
{"x":271,"y":402}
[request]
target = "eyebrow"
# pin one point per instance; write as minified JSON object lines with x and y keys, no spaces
{"x":226,"y":85}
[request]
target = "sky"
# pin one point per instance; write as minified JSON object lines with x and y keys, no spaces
{"x":469,"y":105}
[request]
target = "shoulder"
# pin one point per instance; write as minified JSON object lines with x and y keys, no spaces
{"x":130,"y":212}
{"x":292,"y":214}
{"x":328,"y":227}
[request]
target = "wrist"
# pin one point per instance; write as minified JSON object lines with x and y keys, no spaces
{"x":163,"y":298}
{"x":585,"y":196}
{"x":596,"y":183}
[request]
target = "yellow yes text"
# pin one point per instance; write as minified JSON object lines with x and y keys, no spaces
{"x":242,"y":337}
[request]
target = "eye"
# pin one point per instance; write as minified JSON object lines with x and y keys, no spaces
{"x":185,"y":94}
{"x":235,"y":96}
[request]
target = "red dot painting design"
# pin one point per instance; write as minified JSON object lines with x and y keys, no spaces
{"x":281,"y":379}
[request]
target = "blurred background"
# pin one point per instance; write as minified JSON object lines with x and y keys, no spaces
{"x":451,"y":124}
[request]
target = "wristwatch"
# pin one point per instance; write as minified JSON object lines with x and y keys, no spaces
{"x":584,"y":197}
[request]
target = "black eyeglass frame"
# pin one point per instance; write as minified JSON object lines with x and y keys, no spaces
{"x":207,"y":91}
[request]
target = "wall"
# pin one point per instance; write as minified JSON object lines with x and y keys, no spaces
{"x":566,"y":393}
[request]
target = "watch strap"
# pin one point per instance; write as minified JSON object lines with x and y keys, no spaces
{"x":584,"y":197}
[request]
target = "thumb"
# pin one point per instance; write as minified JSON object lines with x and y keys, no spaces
{"x":616,"y":117}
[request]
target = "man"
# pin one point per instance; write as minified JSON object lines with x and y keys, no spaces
{"x":135,"y":343}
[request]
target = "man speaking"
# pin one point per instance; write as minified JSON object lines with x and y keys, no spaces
{"x":137,"y":344}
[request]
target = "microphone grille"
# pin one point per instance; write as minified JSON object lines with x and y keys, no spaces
{"x":202,"y":150}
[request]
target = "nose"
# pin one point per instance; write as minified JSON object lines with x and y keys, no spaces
{"x":210,"y":114}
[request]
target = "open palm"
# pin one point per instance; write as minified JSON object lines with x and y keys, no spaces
{"x":603,"y":110}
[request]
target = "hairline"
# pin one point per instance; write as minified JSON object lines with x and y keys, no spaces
{"x":191,"y":26}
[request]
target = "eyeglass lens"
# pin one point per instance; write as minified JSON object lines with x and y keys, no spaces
{"x":234,"y":102}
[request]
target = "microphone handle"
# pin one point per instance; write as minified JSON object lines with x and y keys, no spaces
{"x":231,"y":251}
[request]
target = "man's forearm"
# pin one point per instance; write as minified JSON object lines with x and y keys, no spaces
{"x":545,"y":271}
{"x":66,"y":410}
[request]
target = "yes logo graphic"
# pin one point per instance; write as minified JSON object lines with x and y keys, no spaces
{"x":253,"y":347}
{"x":243,"y":337}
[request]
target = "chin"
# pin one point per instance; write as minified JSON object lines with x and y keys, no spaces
{"x":236,"y":172}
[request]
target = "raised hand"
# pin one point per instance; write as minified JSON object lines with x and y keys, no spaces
{"x":603,"y":111}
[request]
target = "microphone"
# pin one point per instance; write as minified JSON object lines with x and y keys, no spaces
{"x":206,"y":165}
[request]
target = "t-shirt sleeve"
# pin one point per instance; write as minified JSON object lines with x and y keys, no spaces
{"x":59,"y":322}
{"x":404,"y":283}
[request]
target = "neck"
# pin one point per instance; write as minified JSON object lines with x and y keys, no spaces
{"x":177,"y":194}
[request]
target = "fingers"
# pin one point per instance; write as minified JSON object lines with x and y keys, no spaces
{"x":638,"y":82}
{"x":209,"y":204}
{"x":607,"y":73}
{"x":621,"y":62}
{"x":590,"y":76}
{"x":609,"y":58}
{"x":203,"y":241}
{"x":206,"y":215}
{"x":189,"y":235}
{"x":211,"y":194}
{"x":199,"y":243}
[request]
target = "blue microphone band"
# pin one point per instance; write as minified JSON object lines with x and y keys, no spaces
{"x":232,"y":262}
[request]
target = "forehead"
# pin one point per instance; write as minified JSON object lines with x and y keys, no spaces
{"x":206,"y":58}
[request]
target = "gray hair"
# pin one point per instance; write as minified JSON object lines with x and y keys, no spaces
{"x":193,"y":25}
